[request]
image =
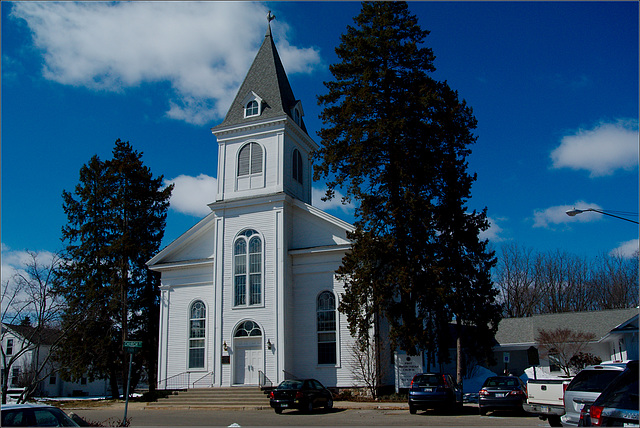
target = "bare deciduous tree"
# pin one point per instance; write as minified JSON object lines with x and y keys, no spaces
{"x":558,"y":281}
{"x":30,"y":311}
{"x":562,"y":344}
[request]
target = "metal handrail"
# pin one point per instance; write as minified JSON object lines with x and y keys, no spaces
{"x":193,"y":384}
{"x":288,"y":375}
{"x":263,"y":380}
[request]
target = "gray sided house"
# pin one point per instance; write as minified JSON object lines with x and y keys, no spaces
{"x":615,"y":330}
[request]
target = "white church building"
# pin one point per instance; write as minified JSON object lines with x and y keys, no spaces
{"x":249,"y":294}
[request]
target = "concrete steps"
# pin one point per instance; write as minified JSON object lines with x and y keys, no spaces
{"x":215,"y":398}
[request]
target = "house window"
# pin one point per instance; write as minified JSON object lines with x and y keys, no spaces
{"x":247,"y":257}
{"x":15,"y":376}
{"x":326,"y":316}
{"x":297,"y":166}
{"x":250,"y":160}
{"x":251,"y":109}
{"x":52,"y":379}
{"x":197,"y":333}
{"x":554,"y":360}
{"x":9,"y":346}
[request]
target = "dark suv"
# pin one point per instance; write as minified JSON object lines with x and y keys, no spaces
{"x":617,"y":405}
{"x":434,"y":391}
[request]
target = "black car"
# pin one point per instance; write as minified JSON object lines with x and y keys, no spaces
{"x":434,"y":391}
{"x":502,"y":393}
{"x":617,"y":405}
{"x":305,"y":394}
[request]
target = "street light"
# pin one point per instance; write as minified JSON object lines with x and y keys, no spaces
{"x":574,"y":212}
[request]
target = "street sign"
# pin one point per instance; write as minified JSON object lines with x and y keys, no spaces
{"x":506,"y":356}
{"x":132,"y":346}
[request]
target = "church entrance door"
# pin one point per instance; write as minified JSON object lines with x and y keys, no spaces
{"x":247,"y":360}
{"x":248,"y":356}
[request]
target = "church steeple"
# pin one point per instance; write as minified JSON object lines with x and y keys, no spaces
{"x":268,"y":81}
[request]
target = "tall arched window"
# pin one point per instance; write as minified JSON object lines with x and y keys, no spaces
{"x":297,"y":166}
{"x":250,"y":160}
{"x":326,"y":316}
{"x":197,"y":334}
{"x":247,"y":257}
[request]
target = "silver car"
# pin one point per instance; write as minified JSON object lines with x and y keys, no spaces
{"x":586,"y":387}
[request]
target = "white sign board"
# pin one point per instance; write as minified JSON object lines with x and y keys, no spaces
{"x":406,"y":366}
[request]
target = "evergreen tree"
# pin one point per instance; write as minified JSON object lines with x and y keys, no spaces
{"x":396,"y":141}
{"x":116,"y":218}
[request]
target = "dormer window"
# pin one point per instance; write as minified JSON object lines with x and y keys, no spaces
{"x":297,"y":113}
{"x":252,"y":109}
{"x":252,"y":105}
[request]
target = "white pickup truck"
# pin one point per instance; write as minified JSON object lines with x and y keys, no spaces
{"x":545,"y":398}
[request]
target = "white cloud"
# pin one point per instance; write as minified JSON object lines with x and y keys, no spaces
{"x":334,"y":203}
{"x":558,"y":215}
{"x":192,"y":194}
{"x":627,"y":249}
{"x":493,"y":233}
{"x":601,"y":150}
{"x":203,"y":49}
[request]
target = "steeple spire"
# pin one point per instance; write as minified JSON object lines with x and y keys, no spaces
{"x":270,"y":17}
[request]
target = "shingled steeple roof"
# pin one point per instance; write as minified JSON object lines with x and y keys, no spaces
{"x":267,"y":79}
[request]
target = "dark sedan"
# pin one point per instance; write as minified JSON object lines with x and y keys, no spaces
{"x":502,"y":393}
{"x":434,"y":391}
{"x":303,"y":395}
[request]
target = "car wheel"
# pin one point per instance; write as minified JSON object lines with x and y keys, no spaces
{"x":483,"y":412}
{"x":329,"y":404}
{"x":554,"y":421}
{"x":412,"y":409}
{"x":309,"y":406}
{"x":278,"y":410}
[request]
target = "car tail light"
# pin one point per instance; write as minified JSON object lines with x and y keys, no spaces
{"x":444,"y":380}
{"x":596,"y":415}
{"x":271,"y":394}
{"x":516,"y":392}
{"x":299,"y":394}
{"x":483,"y":392}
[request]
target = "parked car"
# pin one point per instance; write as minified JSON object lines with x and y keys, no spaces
{"x":303,"y":395}
{"x":585,"y":388}
{"x":34,"y":415}
{"x":502,"y":393}
{"x":434,"y":391}
{"x":617,"y":405}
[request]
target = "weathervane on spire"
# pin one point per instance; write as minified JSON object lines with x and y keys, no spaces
{"x":270,"y":17}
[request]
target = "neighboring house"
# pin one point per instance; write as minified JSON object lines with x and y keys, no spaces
{"x":249,"y":294}
{"x":615,"y":330}
{"x":30,"y":347}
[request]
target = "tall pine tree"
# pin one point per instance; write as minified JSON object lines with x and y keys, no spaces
{"x":116,"y":218}
{"x":395,"y":141}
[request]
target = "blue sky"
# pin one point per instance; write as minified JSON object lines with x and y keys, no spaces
{"x":554,"y":87}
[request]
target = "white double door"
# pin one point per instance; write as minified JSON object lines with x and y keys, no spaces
{"x":248,"y":360}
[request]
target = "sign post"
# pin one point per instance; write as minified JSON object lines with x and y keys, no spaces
{"x":130,"y":346}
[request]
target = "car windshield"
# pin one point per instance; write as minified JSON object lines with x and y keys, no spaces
{"x":501,"y":382}
{"x":592,"y":380}
{"x":290,"y":384}
{"x":428,"y":380}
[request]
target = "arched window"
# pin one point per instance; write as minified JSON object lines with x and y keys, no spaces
{"x":197,"y":334}
{"x":248,"y":329}
{"x":297,"y":166}
{"x":251,"y":109}
{"x":247,"y":257}
{"x":250,"y":160}
{"x":326,"y":316}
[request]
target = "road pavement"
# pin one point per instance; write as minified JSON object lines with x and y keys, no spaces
{"x":343,"y":414}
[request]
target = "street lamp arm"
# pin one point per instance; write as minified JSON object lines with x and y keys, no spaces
{"x":574,"y":212}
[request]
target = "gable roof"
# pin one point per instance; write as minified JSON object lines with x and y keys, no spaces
{"x":35,"y":335}
{"x":525,"y":330}
{"x":267,"y":79}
